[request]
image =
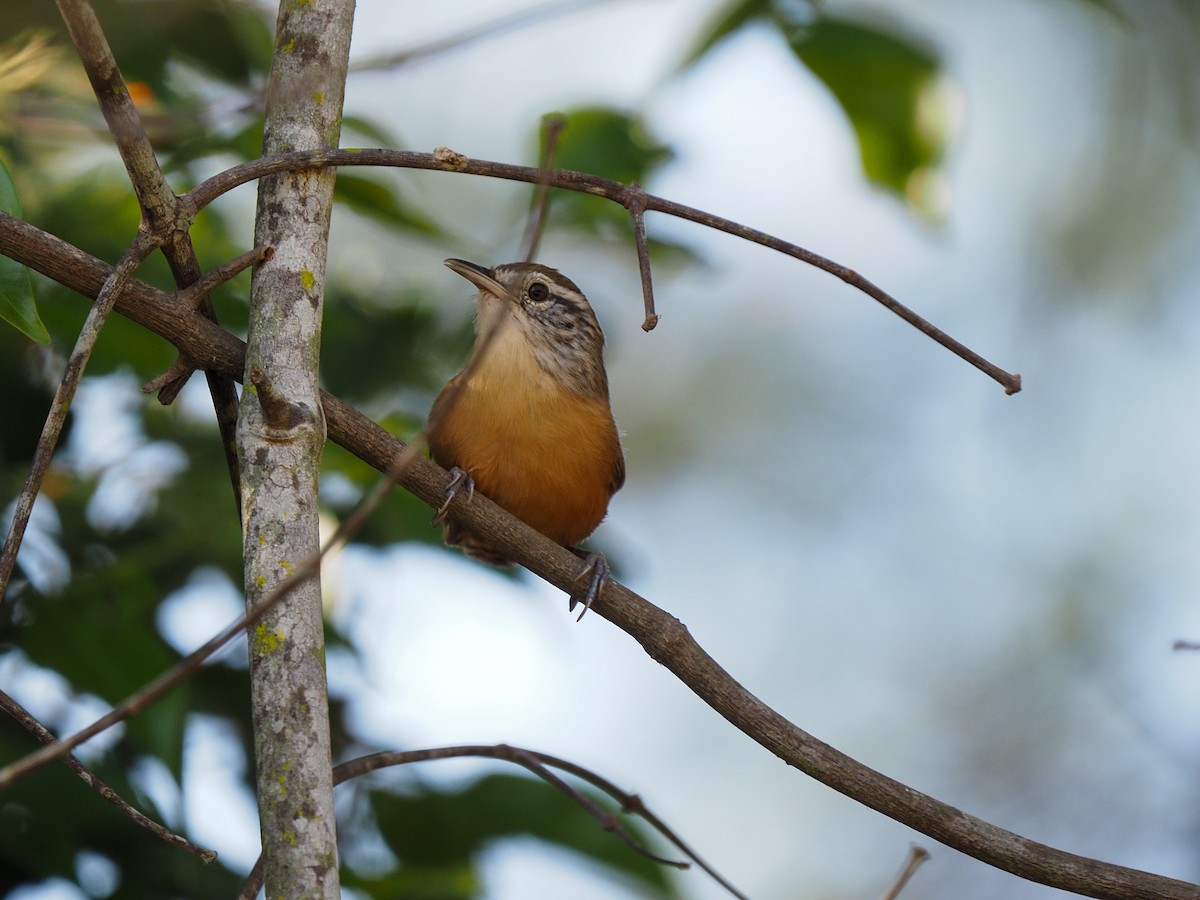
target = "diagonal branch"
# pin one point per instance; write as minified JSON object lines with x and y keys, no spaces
{"x":159,"y":205}
{"x":664,"y":637}
{"x":34,"y":727}
{"x":916,"y":857}
{"x":106,"y":297}
{"x":539,"y":209}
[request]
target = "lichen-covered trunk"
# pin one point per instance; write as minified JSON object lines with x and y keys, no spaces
{"x":280,"y":436}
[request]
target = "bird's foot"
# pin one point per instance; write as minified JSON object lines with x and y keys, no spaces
{"x":458,"y":480}
{"x":596,"y":571}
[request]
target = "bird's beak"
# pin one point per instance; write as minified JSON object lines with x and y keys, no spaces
{"x":482,"y":278}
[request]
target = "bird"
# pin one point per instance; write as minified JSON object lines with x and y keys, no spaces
{"x":528,"y":421}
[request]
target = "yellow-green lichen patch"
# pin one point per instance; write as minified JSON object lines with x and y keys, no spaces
{"x":267,"y":642}
{"x":308,"y":279}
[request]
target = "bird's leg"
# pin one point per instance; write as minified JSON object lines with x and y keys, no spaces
{"x":458,"y":480}
{"x":596,"y":570}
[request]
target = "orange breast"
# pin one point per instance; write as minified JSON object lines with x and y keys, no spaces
{"x":548,"y":456}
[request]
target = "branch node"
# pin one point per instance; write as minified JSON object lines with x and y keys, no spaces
{"x":633,"y":804}
{"x":280,"y":413}
{"x":450,"y":160}
{"x":193,"y":294}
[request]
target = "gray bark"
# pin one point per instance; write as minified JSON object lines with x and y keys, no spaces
{"x":281,"y":433}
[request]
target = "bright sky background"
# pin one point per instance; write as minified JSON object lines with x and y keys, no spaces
{"x":975,"y":594}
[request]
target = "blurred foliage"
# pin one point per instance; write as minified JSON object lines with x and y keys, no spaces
{"x":86,"y":607}
{"x":16,"y":292}
{"x":431,"y":833}
{"x":884,"y":79}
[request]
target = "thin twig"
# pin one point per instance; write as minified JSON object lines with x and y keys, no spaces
{"x":539,"y":208}
{"x":193,"y":297}
{"x":497,"y":26}
{"x":636,"y":204}
{"x":193,"y":294}
{"x":916,"y":856}
{"x":632,"y":803}
{"x":450,"y":161}
{"x":84,"y":344}
{"x":38,"y":730}
{"x":539,"y":764}
{"x":526,"y":758}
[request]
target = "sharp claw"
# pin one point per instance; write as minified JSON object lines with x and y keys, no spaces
{"x":596,"y":566}
{"x":458,"y":478}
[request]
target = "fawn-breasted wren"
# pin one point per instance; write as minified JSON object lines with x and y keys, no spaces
{"x":528,"y":421}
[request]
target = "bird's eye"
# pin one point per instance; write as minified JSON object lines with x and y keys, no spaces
{"x":538,"y":292}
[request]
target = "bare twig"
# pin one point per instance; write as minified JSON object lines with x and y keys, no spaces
{"x":527,"y":758}
{"x":193,"y":297}
{"x":450,"y":161}
{"x":535,"y":226}
{"x":84,"y":344}
{"x":38,"y":730}
{"x":636,"y":204}
{"x":159,"y":205}
{"x":539,"y":764}
{"x":916,"y":856}
{"x":632,"y":803}
{"x":1186,"y":645}
{"x":193,"y":294}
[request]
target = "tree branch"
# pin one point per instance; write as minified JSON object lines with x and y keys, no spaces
{"x":540,"y":765}
{"x":106,"y":297}
{"x":664,"y":637}
{"x":38,"y":730}
{"x":159,"y":205}
{"x":450,"y":161}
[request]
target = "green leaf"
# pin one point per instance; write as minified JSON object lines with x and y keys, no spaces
{"x":727,"y":21}
{"x":611,"y":143}
{"x":445,"y":832}
{"x":883,"y":82}
{"x":17,"y":304}
{"x":372,"y":198}
{"x":1110,"y":8}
